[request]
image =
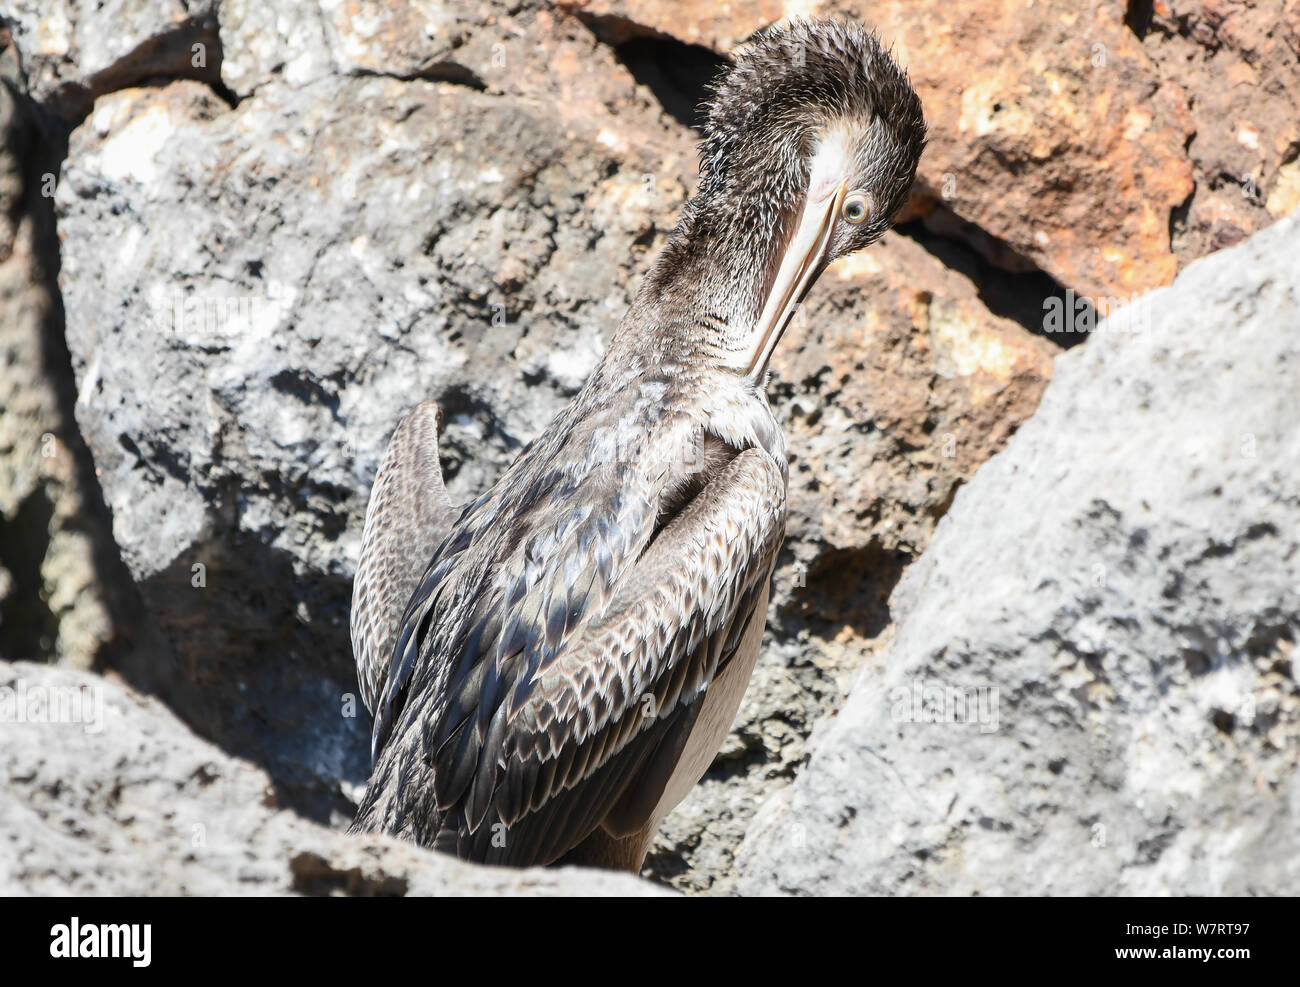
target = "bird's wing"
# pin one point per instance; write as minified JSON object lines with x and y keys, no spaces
{"x":528,"y":767}
{"x":408,"y":516}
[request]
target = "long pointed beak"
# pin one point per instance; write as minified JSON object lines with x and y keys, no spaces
{"x":799,"y":267}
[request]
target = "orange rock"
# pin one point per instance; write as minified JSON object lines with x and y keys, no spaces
{"x":918,"y":385}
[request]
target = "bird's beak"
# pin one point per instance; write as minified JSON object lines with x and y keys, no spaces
{"x":803,"y":261}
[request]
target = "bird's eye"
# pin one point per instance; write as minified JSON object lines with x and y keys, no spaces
{"x":857,"y":207}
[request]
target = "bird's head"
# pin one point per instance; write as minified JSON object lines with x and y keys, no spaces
{"x":811,"y":144}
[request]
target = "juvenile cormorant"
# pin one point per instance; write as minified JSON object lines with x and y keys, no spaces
{"x":552,"y":668}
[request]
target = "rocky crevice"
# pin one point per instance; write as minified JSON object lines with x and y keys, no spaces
{"x":190,"y":49}
{"x":67,"y":595}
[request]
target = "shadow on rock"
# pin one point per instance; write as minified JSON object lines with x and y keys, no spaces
{"x":257,"y":659}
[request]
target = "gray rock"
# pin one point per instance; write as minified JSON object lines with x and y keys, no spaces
{"x":63,"y":40}
{"x":266,"y":40}
{"x":105,"y":792}
{"x":77,"y":50}
{"x":300,"y":41}
{"x":1092,"y":688}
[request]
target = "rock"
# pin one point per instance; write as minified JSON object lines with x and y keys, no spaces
{"x":1240,"y":64}
{"x":1091,"y":687}
{"x":1067,"y":118}
{"x":78,"y":50}
{"x":63,"y":591}
{"x":896,"y":383}
{"x":264,"y":41}
{"x":522,"y":49}
{"x":105,"y":792}
{"x":66,"y":40}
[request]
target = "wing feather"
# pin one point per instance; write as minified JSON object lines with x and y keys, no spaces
{"x":407,"y":516}
{"x":548,"y":774}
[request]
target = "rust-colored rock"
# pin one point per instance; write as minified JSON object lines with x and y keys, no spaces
{"x":902,"y":383}
{"x":1050,"y":131}
{"x":1240,"y":63}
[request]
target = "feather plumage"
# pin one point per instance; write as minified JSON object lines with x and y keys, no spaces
{"x":575,"y":642}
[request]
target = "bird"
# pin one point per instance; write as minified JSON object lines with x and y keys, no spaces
{"x":551,"y":668}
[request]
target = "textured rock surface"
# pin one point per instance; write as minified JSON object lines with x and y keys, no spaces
{"x":103,"y":791}
{"x":1117,"y":595}
{"x":62,"y":586}
{"x":69,"y":40}
{"x":1061,"y":111}
{"x":77,"y":50}
{"x":1240,"y":64}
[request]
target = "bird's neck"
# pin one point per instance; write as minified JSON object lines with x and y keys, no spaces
{"x":710,"y":281}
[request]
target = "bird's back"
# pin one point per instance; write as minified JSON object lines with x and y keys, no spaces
{"x":498,"y":661}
